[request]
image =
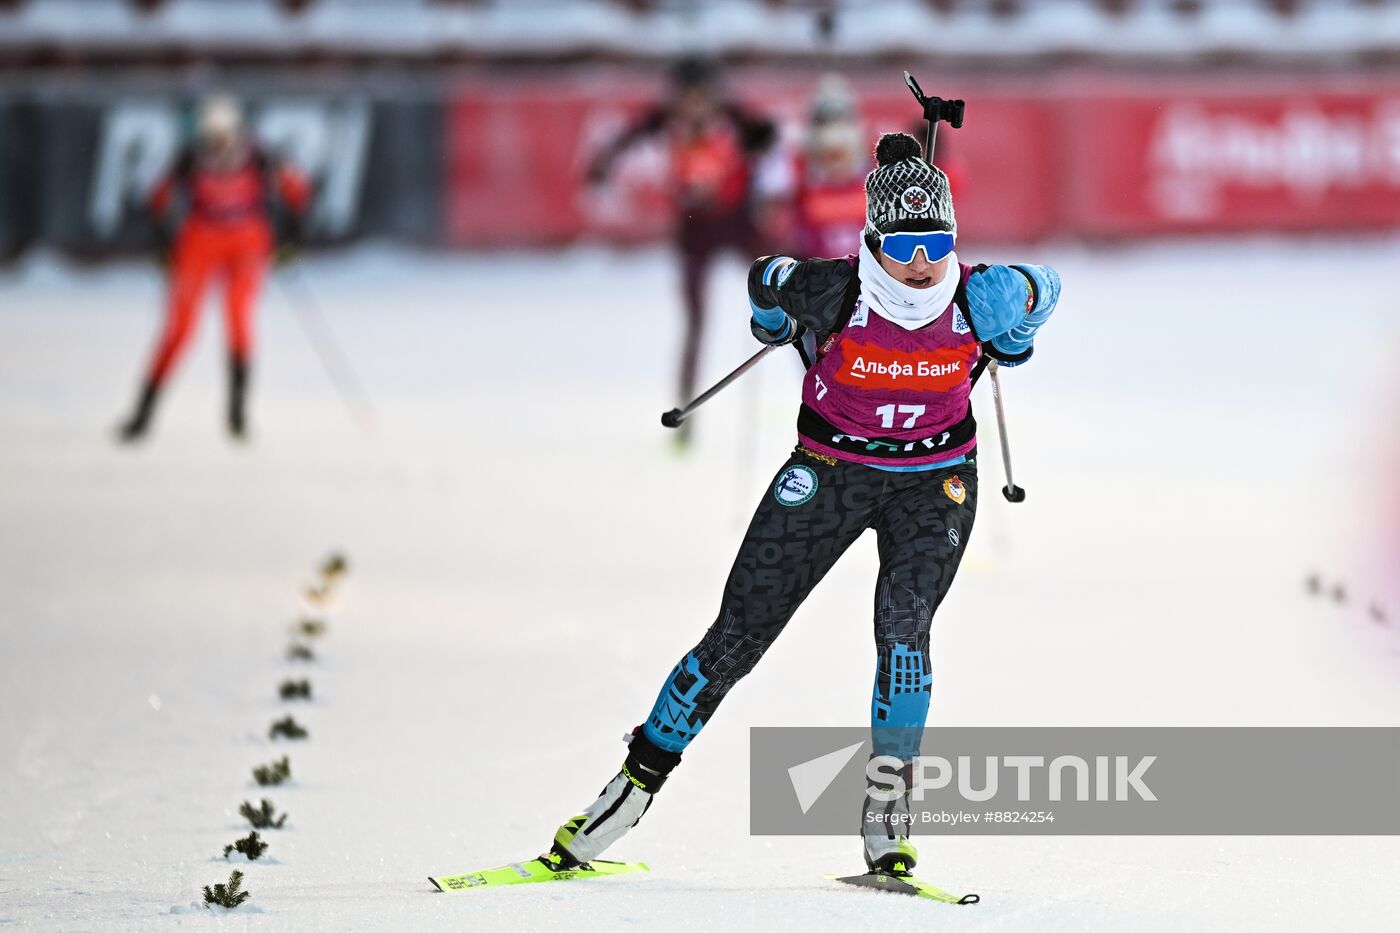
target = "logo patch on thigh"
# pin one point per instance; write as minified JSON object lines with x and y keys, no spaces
{"x":953,"y":537}
{"x":954,"y":489}
{"x":797,"y":484}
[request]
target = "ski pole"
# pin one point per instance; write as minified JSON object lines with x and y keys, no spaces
{"x":674,"y":417}
{"x":1011,"y":491}
{"x":333,"y":359}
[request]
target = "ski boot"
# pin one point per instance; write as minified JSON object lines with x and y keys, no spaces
{"x":237,"y":397}
{"x":618,"y":808}
{"x":135,"y":427}
{"x":885,"y":825}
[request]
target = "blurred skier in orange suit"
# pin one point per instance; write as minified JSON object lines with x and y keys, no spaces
{"x":218,"y":213}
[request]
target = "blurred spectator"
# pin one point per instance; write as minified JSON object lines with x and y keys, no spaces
{"x":828,"y":196}
{"x":504,"y":30}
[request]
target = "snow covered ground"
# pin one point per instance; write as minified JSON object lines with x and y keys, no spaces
{"x":1202,"y":428}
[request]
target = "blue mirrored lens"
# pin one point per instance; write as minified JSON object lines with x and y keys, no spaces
{"x":901,"y":246}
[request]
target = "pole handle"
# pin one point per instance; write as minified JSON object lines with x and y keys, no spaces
{"x":936,"y":110}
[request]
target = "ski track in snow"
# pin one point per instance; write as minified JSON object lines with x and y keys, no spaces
{"x":529,"y":557}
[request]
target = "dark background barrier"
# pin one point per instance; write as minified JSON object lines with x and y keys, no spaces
{"x":19,"y":176}
{"x":79,"y":163}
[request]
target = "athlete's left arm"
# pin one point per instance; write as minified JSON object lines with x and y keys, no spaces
{"x":290,"y":196}
{"x":787,"y":295}
{"x":293,"y":190}
{"x":1008,"y":305}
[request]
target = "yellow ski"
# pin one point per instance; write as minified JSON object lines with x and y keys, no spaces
{"x":532,"y":871}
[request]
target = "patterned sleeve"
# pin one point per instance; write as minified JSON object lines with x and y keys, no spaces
{"x":810,"y":292}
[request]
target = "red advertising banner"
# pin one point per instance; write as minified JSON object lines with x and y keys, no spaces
{"x":1193,"y":160}
{"x":516,"y":162}
{"x":1081,"y":156}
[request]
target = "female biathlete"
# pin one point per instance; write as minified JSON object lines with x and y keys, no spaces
{"x":886,"y":440}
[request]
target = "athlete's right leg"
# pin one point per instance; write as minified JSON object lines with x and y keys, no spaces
{"x":923,"y":532}
{"x":810,"y":514}
{"x":190,"y":267}
{"x":245,"y":272}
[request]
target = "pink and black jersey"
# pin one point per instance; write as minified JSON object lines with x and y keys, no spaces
{"x":880,"y":393}
{"x":877,"y":393}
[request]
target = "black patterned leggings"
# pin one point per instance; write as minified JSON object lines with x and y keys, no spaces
{"x":812,"y":512}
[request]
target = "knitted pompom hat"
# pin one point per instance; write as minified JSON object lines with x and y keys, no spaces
{"x":905,"y":192}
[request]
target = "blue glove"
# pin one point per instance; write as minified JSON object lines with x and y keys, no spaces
{"x":998,"y":298}
{"x":773,"y":325}
{"x":1009,"y":304}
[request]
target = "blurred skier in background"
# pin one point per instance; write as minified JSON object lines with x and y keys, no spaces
{"x":828,"y":182}
{"x":713,"y":145}
{"x":218,"y":212}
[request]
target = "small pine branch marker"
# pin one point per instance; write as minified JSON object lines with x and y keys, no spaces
{"x":250,"y":845}
{"x":228,"y":895}
{"x":273,"y":774}
{"x":310,"y":628}
{"x":287,"y":728}
{"x":331,"y":570}
{"x":263,"y":817}
{"x":334,"y":566}
{"x":295,"y":690}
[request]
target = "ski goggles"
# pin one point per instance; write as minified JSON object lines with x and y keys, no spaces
{"x":901,"y":247}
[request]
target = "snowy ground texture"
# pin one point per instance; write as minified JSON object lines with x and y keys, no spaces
{"x":1201,"y":429}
